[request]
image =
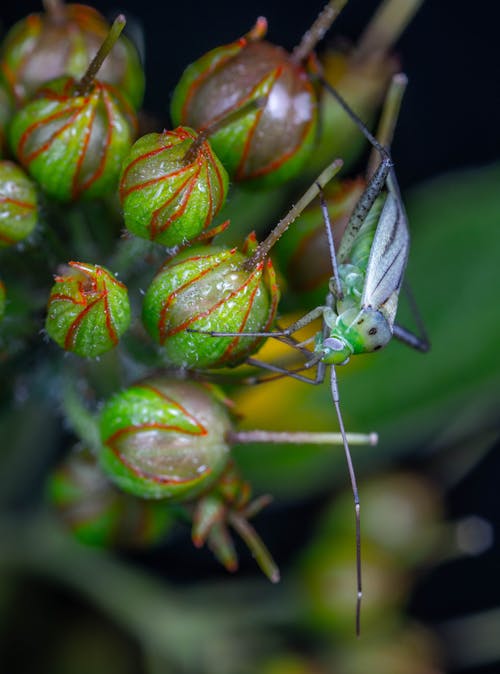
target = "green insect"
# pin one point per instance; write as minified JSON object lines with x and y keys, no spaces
{"x":358,"y":315}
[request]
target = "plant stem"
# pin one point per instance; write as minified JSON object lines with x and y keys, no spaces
{"x":313,"y":191}
{"x":226,"y":120}
{"x":85,"y":84}
{"x":317,"y":31}
{"x":388,"y":119}
{"x":56,"y":10}
{"x":300,"y":438}
{"x":384,"y":29}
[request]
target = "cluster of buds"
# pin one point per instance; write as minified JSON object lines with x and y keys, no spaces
{"x":244,"y":112}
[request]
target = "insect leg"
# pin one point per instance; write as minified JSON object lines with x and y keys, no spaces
{"x":294,"y":327}
{"x":285,"y":372}
{"x":410,"y":339}
{"x":354,"y":485}
{"x":422,"y":335}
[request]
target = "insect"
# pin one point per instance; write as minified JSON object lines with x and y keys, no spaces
{"x":358,"y":315}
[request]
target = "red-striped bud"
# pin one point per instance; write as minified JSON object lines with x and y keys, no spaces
{"x":207,"y":289}
{"x":88,"y":310}
{"x":18,"y":204}
{"x":169,"y":196}
{"x":62,"y":41}
{"x":269,"y":144}
{"x":74,"y":143}
{"x":164,"y":438}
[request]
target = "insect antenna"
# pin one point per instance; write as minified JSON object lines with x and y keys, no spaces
{"x":383,"y":151}
{"x":328,"y":226}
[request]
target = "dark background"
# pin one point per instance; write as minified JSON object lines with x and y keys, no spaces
{"x":450,"y":52}
{"x":450,"y":120}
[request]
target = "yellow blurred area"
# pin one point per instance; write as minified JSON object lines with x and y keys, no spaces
{"x":284,"y":404}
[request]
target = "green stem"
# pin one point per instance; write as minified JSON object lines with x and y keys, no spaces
{"x":388,"y":119}
{"x":313,"y":191}
{"x":81,"y":420}
{"x":85,"y":84}
{"x":384,"y":29}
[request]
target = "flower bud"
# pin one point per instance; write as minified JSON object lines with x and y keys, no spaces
{"x":74,"y":144}
{"x":88,"y":310}
{"x":270,"y":144}
{"x":206,"y":288}
{"x":45,"y":46}
{"x":99,"y":514}
{"x":6,"y":113}
{"x":165,"y":439}
{"x":18,"y":204}
{"x":168,"y":196}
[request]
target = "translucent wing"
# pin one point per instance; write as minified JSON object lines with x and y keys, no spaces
{"x":387,"y":261}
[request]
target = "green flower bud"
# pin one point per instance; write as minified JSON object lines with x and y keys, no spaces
{"x":88,"y":310}
{"x":6,"y":113}
{"x":169,"y":196}
{"x":72,"y":144}
{"x":99,"y":514}
{"x":303,"y":254}
{"x":207,"y":289}
{"x":165,"y":439}
{"x":62,"y":41}
{"x":268,"y":145}
{"x":18,"y":204}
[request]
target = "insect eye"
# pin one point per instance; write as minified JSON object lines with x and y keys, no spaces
{"x":334,"y":344}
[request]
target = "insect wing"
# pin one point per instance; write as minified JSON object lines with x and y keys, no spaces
{"x":387,"y":261}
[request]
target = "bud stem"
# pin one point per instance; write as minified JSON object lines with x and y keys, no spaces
{"x":301,"y":438}
{"x":384,"y":29}
{"x":388,"y":119}
{"x":226,"y":120}
{"x":85,"y":84}
{"x":317,"y":31}
{"x":56,"y":9}
{"x":313,"y":191}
